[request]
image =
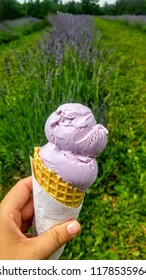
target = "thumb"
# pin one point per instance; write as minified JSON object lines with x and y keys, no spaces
{"x":47,"y":243}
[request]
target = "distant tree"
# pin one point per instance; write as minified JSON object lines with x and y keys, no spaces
{"x":90,"y":7}
{"x":71,"y":7}
{"x":123,"y":7}
{"x":85,"y":6}
{"x":137,"y":7}
{"x":40,"y":9}
{"x":107,"y":9}
{"x":10,"y":9}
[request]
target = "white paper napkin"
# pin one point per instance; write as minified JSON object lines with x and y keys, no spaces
{"x":49,"y":212}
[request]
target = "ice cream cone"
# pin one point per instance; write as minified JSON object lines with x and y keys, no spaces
{"x":54,"y":185}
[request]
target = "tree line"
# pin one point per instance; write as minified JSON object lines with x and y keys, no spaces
{"x":11,"y":9}
{"x":125,"y":7}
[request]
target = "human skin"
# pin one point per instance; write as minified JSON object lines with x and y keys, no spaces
{"x":16,"y":214}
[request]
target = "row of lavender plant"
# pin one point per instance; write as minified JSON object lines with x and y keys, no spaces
{"x":129,"y":19}
{"x":62,"y":67}
{"x":70,"y":53}
{"x":7,"y":25}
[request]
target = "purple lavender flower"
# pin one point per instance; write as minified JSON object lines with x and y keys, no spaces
{"x":7,"y":67}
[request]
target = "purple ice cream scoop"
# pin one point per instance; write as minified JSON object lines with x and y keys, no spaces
{"x":75,"y":140}
{"x":80,"y":171}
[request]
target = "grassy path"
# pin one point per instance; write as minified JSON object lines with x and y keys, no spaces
{"x":124,"y":92}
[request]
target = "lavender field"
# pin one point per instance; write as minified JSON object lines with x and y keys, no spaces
{"x":87,"y":60}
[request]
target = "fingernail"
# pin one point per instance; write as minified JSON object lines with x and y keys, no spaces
{"x":73,"y":228}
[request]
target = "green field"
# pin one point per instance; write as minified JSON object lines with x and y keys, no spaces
{"x":113,"y":216}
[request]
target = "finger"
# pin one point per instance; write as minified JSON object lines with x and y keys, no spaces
{"x":47,"y":243}
{"x":28,"y":210}
{"x":18,"y":195}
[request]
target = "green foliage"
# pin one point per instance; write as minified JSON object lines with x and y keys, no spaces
{"x":90,"y":7}
{"x":125,"y":7}
{"x":39,"y":8}
{"x":134,"y":7}
{"x":120,"y":7}
{"x":10,"y":9}
{"x":5,"y":37}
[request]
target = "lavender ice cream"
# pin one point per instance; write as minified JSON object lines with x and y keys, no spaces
{"x":74,"y":141}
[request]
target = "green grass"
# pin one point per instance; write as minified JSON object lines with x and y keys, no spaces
{"x":13,"y":167}
{"x":113,"y":216}
{"x":20,"y":44}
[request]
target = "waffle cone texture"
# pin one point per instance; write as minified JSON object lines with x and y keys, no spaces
{"x":54,"y":185}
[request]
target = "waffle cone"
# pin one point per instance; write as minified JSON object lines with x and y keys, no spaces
{"x":54,"y":185}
